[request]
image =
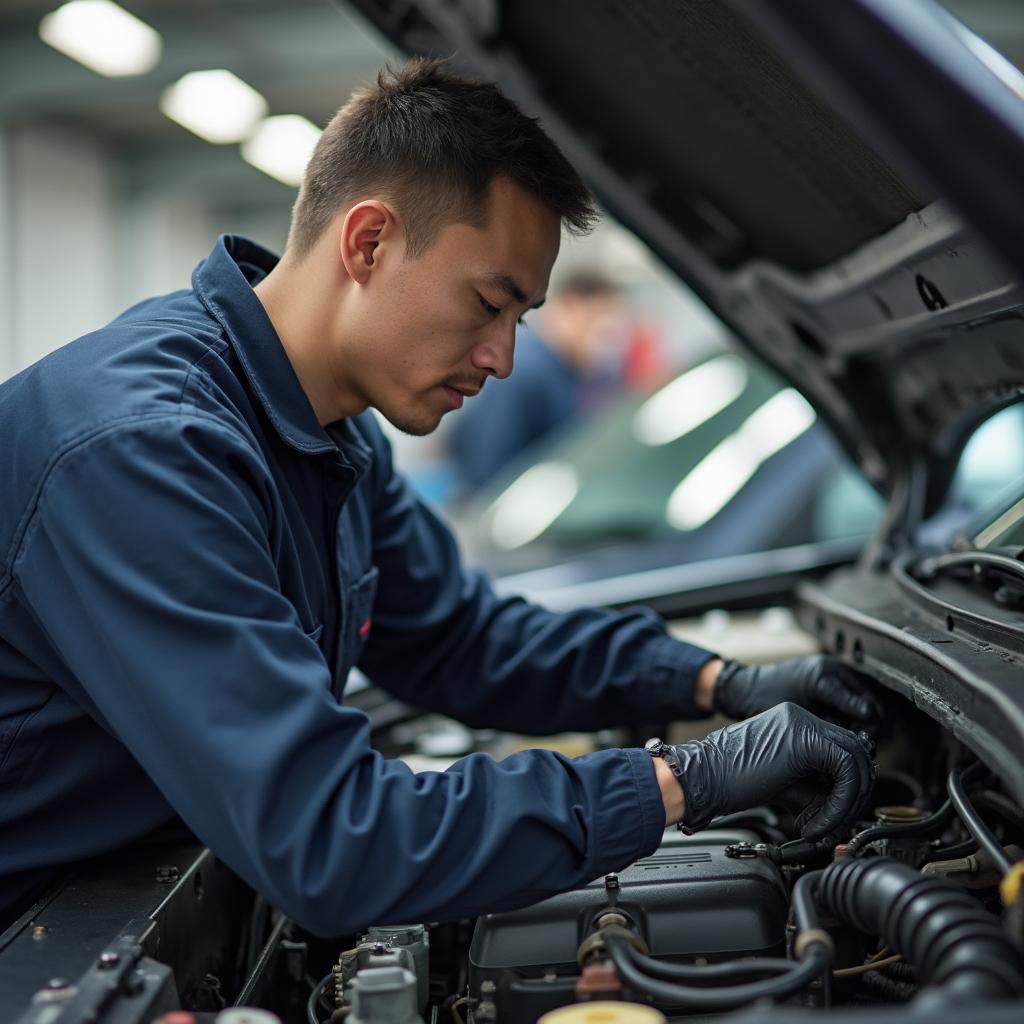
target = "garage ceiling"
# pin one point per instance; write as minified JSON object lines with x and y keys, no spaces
{"x":304,"y":56}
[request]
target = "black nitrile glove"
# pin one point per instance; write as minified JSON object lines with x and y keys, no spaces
{"x":784,"y":749}
{"x":819,"y":683}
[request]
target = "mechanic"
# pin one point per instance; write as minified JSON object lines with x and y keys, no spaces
{"x":201,"y":532}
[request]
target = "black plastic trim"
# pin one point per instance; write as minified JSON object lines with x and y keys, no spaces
{"x":970,"y":686}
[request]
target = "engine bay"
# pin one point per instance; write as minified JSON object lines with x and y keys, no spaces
{"x":915,"y":911}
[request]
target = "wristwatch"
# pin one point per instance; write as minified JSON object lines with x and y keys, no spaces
{"x":657,"y":747}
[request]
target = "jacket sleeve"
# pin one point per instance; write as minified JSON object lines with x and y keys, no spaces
{"x":443,"y":640}
{"x":147,"y":561}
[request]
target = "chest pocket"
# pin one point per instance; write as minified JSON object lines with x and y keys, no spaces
{"x":357,"y":622}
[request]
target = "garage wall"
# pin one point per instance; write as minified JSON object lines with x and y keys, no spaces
{"x":80,"y":241}
{"x":59,"y":193}
{"x":161,"y":239}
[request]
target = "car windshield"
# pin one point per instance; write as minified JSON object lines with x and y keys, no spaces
{"x":723,"y":460}
{"x":724,"y":452}
{"x":985,"y":506}
{"x":1005,"y":528}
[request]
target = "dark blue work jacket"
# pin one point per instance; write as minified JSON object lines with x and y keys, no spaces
{"x":189,"y":567}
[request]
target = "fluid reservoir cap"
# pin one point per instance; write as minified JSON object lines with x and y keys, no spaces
{"x":899,"y":815}
{"x":604,"y":1012}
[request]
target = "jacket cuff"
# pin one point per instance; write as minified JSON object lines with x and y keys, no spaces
{"x":669,"y":680}
{"x":618,"y":841}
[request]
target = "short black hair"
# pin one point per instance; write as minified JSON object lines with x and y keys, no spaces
{"x":432,"y":142}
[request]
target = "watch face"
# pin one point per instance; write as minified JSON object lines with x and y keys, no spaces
{"x":653,"y":746}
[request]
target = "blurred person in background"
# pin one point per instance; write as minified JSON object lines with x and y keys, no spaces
{"x":569,"y":366}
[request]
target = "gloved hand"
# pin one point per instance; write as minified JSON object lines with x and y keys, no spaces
{"x":821,"y":684}
{"x":783,"y":749}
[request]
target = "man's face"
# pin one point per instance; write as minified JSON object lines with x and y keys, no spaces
{"x":427,"y":331}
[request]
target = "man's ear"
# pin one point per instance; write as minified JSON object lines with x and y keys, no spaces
{"x":364,"y":228}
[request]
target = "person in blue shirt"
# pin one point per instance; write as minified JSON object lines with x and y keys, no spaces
{"x":561,"y":373}
{"x":201,"y":532}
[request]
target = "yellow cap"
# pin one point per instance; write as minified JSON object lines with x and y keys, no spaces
{"x":1009,"y":887}
{"x":603,"y":1012}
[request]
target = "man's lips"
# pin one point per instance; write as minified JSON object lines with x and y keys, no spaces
{"x":457,"y":395}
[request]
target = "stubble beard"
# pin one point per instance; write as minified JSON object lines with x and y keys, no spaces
{"x":412,"y":428}
{"x":411,"y":425}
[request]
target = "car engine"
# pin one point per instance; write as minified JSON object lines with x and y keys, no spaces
{"x":688,"y":900}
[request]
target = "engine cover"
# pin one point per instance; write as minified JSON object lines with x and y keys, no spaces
{"x":688,"y":899}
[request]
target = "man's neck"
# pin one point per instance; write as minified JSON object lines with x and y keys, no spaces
{"x":295,"y":300}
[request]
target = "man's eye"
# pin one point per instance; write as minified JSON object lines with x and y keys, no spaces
{"x":493,"y":311}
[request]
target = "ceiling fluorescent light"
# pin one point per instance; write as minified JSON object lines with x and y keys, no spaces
{"x":215,"y":105}
{"x":281,"y":147}
{"x":103,"y":37}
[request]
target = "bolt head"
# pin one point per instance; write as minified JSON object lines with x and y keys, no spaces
{"x":57,"y":983}
{"x":40,"y":931}
{"x":108,"y":960}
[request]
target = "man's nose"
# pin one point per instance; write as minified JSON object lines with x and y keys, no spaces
{"x":495,"y":354}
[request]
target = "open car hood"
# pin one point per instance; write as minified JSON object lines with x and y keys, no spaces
{"x":839,"y":182}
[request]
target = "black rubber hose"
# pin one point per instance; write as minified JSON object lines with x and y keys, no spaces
{"x":706,"y":973}
{"x":314,"y":996}
{"x":944,"y":932}
{"x":926,"y":826}
{"x":805,"y":911}
{"x":887,"y":989}
{"x":805,"y":914}
{"x":962,"y":849}
{"x":975,"y":825}
{"x":628,"y":964}
{"x":900,"y":972}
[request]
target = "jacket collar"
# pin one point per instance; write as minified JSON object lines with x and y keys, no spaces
{"x":224,"y":282}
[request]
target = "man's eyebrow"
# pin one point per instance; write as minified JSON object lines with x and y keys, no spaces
{"x":508,"y":284}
